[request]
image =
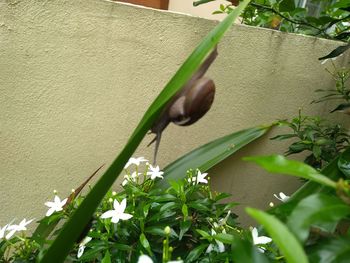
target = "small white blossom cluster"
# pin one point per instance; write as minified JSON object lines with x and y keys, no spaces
{"x":12,"y":229}
{"x":153,"y":172}
{"x":200,"y":178}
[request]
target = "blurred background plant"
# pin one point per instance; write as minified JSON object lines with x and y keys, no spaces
{"x":322,"y":18}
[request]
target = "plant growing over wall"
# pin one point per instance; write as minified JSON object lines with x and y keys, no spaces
{"x":322,"y":140}
{"x":285,"y":15}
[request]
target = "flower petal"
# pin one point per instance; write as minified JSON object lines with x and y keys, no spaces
{"x":108,"y":214}
{"x":125,"y":216}
{"x":144,"y":259}
{"x":122,"y":206}
{"x":80,"y":251}
{"x":263,"y":240}
{"x":115,"y":219}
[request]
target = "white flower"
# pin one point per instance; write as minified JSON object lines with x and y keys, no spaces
{"x":2,"y":231}
{"x":259,"y":240}
{"x":56,"y":205}
{"x":155,"y":172}
{"x":117,"y":213}
{"x":282,"y":197}
{"x":144,"y":259}
{"x":82,"y":246}
{"x":132,"y":177}
{"x":201,"y":178}
{"x":135,"y":161}
{"x":15,"y":228}
{"x":218,"y":247}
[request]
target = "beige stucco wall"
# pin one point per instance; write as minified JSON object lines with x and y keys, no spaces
{"x":76,"y":77}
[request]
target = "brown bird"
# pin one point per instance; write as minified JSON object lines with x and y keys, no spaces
{"x":189,"y":104}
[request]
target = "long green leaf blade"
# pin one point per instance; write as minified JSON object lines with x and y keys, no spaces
{"x":279,"y":164}
{"x":61,"y":246}
{"x":210,"y":154}
{"x":284,"y":239}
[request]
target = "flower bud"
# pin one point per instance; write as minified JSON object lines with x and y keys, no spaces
{"x":167,"y":230}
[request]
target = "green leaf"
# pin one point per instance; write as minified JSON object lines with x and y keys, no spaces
{"x":316,"y":150}
{"x":195,"y":253}
{"x":203,"y":234}
{"x":279,"y":164}
{"x":244,"y":251}
{"x":225,"y":238}
{"x":144,"y":242}
{"x":331,"y":171}
{"x":61,"y":246}
{"x":210,"y":154}
{"x":184,"y":211}
{"x":287,"y":6}
{"x":284,"y":239}
{"x":184,"y":227}
{"x":344,"y":164}
{"x":106,"y":258}
{"x":315,"y":209}
{"x":332,"y":250}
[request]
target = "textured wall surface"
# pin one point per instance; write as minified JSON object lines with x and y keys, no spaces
{"x":76,"y":77}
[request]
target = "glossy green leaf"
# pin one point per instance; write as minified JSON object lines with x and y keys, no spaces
{"x":279,"y":164}
{"x":106,"y":258}
{"x":210,"y":154}
{"x":195,"y":253}
{"x":244,"y":251}
{"x":332,"y":250}
{"x":344,"y":164}
{"x":331,"y":171}
{"x":144,"y":242}
{"x":61,"y":246}
{"x":287,"y":5}
{"x":184,"y":227}
{"x":225,"y":238}
{"x":282,"y":237}
{"x":313,"y":210}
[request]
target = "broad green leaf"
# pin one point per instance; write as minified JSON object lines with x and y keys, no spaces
{"x":61,"y":246}
{"x":287,"y":5}
{"x":244,"y":251}
{"x":210,"y":154}
{"x":195,"y":253}
{"x":144,"y":242}
{"x":279,"y":164}
{"x":184,"y":227}
{"x":313,"y":210}
{"x":225,"y":238}
{"x":332,"y":250}
{"x":106,"y":258}
{"x":331,"y":171}
{"x":283,"y":238}
{"x":344,"y":164}
{"x":203,"y":234}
